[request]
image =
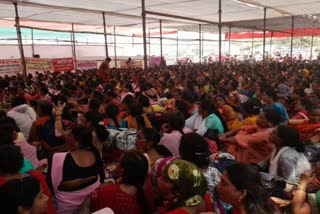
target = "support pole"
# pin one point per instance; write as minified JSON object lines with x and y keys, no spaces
{"x":177,"y":45}
{"x":229,"y":40}
{"x":23,"y":61}
{"x":115,"y":46}
{"x":149,"y":46}
{"x":32,"y":43}
{"x":252,"y":45}
{"x":220,"y":28}
{"x":292,"y":29}
{"x":143,"y":15}
{"x":271,"y":44}
{"x":160,"y":22}
{"x":264,"y":33}
{"x":312,"y":39}
{"x":105,"y":34}
{"x":74,"y":48}
{"x":200,"y":44}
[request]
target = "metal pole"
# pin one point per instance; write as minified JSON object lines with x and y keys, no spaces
{"x":220,"y":28}
{"x":143,"y":15}
{"x":312,"y":38}
{"x":32,"y":44}
{"x":105,"y":34}
{"x":115,"y":46}
{"x":149,"y":46}
{"x":292,"y":31}
{"x":23,"y":61}
{"x":264,"y":32}
{"x":271,"y":44}
{"x":229,"y":40}
{"x":177,"y":45}
{"x":160,"y":22}
{"x":252,"y":45}
{"x":200,"y":43}
{"x":74,"y":48}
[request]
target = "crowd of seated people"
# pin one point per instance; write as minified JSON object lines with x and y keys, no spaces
{"x":236,"y":137}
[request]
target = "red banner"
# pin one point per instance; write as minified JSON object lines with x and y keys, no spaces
{"x":285,"y":33}
{"x":86,"y":64}
{"x":63,"y":64}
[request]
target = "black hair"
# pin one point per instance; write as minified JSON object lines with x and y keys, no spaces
{"x":181,"y":105}
{"x":83,"y":136}
{"x":144,"y":101}
{"x":11,"y":159}
{"x":45,"y":108}
{"x":6,"y":132}
{"x":246,"y":177}
{"x":252,"y":106}
{"x":2,"y":114}
{"x":176,"y":121}
{"x":195,"y":148}
{"x":128,"y":99}
{"x":290,"y":137}
{"x":151,"y":135}
{"x":9,"y":121}
{"x":94,"y":104}
{"x":19,"y":193}
{"x":135,"y":171}
{"x":135,"y":110}
{"x":273,"y":116}
{"x":112,"y":112}
{"x":18,"y":100}
{"x":211,"y":108}
{"x":96,"y":118}
{"x":190,"y":96}
{"x":129,"y":87}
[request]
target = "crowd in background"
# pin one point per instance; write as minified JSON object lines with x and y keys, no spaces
{"x":236,"y":137}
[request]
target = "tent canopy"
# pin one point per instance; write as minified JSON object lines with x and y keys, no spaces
{"x":86,"y":15}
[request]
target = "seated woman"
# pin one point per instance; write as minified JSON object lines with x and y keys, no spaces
{"x":147,"y":143}
{"x":208,"y":117}
{"x":195,"y":149}
{"x":11,"y":161}
{"x":128,"y":196}
{"x":250,"y":144}
{"x":136,"y":119}
{"x":151,"y":94}
{"x":309,"y":130}
{"x":23,"y":196}
{"x":228,"y":113}
{"x":173,"y":132}
{"x":306,"y":197}
{"x":42,"y":133}
{"x":184,"y":188}
{"x":29,"y":152}
{"x":287,"y":160}
{"x":92,"y":120}
{"x":112,"y":120}
{"x":270,"y":99}
{"x":251,"y":110}
{"x":74,"y":175}
{"x":241,"y":186}
{"x":212,"y":118}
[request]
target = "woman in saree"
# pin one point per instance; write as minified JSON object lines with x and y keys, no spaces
{"x":250,"y":144}
{"x":310,"y":129}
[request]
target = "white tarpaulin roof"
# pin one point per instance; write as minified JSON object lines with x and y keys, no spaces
{"x":87,"y":14}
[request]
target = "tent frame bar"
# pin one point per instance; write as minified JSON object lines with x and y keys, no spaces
{"x":23,"y":60}
{"x":105,"y":34}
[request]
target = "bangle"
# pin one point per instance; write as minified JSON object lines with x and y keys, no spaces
{"x":316,"y":182}
{"x":301,"y":188}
